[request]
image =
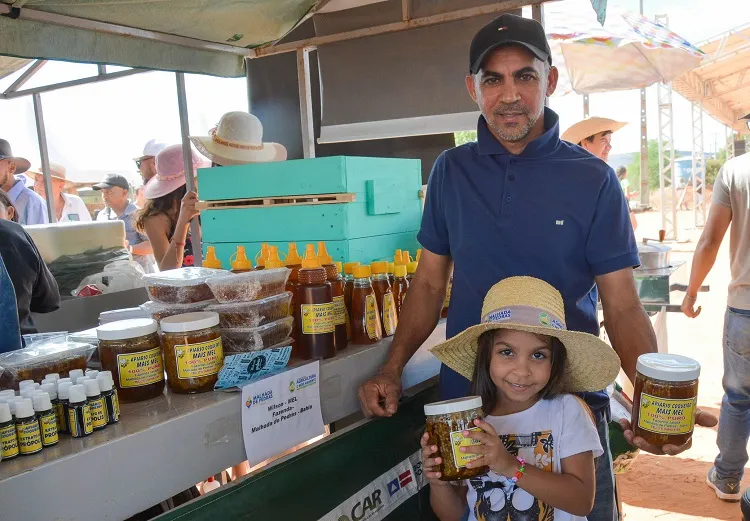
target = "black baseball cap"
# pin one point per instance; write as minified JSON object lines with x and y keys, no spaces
{"x":508,"y":29}
{"x":112,"y":180}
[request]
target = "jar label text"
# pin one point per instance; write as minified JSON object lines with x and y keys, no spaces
{"x":666,"y":415}
{"x":199,"y":360}
{"x":458,"y":440}
{"x":139,"y":369}
{"x":318,"y":318}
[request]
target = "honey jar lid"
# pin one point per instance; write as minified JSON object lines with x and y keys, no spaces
{"x":126,"y":329}
{"x":190,"y":322}
{"x":455,"y":405}
{"x":668,"y":367}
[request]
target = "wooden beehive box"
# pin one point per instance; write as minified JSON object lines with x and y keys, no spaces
{"x":364,"y":208}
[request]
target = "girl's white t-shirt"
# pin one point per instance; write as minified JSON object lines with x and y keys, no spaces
{"x":543,"y":434}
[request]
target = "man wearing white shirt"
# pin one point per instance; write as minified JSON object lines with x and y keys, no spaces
{"x":68,"y":207}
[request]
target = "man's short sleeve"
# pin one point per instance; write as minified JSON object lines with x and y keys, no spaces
{"x":721,"y":188}
{"x":611,"y":244}
{"x":433,"y":235}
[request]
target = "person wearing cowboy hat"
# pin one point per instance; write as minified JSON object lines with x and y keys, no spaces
{"x":31,"y":208}
{"x":146,"y":162}
{"x":594,"y":134}
{"x":521,"y":201}
{"x":523,"y":363}
{"x":68,"y":207}
{"x":165,"y":219}
{"x":238,"y":140}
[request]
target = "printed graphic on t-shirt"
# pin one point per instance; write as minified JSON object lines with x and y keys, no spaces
{"x":499,"y":499}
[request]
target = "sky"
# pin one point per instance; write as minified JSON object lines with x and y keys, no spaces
{"x":98,"y":128}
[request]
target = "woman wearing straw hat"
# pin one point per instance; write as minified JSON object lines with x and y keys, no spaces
{"x":538,"y":440}
{"x":166,"y":217}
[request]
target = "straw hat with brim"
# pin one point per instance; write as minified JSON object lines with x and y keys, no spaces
{"x":238,"y":140}
{"x":170,"y":172}
{"x":22,"y":164}
{"x":589,"y":127}
{"x":529,"y":304}
{"x":57,"y":171}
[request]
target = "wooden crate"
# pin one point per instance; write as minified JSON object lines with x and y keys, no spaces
{"x":364,"y":208}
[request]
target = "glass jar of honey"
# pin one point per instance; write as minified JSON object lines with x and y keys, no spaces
{"x":446,"y":423}
{"x":665,"y":396}
{"x":193,"y":352}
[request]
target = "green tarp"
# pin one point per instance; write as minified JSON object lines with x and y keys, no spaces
{"x":240,"y":23}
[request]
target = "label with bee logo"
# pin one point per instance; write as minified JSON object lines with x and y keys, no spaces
{"x":199,"y":360}
{"x":138,"y":369}
{"x":458,"y":440}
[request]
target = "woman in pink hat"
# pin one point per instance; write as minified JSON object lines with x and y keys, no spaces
{"x":169,"y":208}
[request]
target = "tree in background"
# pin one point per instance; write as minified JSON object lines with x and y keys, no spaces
{"x":634,"y":168}
{"x":466,"y":136}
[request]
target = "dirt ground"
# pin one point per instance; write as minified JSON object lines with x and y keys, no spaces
{"x":674,"y":488}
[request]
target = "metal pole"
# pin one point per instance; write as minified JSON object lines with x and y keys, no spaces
{"x":247,"y":81}
{"x":645,"y":194}
{"x":187,"y":156}
{"x":699,"y":167}
{"x":586,"y":106}
{"x":42,"y":136}
{"x":305,"y":103}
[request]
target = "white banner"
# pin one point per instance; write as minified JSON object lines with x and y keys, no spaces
{"x":281,"y":411}
{"x":383,"y":495}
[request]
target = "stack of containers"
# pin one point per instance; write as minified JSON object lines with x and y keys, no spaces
{"x":174,"y":292}
{"x":253,"y":306}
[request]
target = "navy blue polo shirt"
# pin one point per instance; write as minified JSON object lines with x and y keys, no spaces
{"x":554,"y":212}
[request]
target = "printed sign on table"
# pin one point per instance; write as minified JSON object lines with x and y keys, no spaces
{"x":281,"y":411}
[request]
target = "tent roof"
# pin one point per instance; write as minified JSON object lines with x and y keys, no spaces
{"x":200,"y":36}
{"x":722,"y":80}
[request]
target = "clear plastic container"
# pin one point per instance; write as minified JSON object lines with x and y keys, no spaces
{"x":253,"y":314}
{"x":158,"y":311}
{"x":243,"y":340}
{"x":33,"y":363}
{"x":248,"y":286}
{"x":180,"y":286}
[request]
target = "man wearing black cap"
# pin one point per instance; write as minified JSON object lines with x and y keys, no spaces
{"x":31,"y":208}
{"x":520,"y":201}
{"x":115,"y":190}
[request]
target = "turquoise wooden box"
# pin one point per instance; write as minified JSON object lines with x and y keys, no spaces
{"x":385,"y":215}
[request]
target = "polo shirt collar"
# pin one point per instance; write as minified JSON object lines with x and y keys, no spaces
{"x":541,"y":146}
{"x":16,"y":190}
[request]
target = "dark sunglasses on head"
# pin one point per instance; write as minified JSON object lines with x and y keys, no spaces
{"x":139,"y":162}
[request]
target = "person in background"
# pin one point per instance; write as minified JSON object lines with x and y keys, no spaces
{"x":140,"y":196}
{"x":35,"y":287}
{"x":622,"y":176}
{"x":68,"y":207}
{"x":731,"y":205}
{"x":595,"y":136}
{"x":146,"y":163}
{"x":115,"y":189}
{"x":7,"y":210}
{"x":30,"y":207}
{"x":169,"y":208}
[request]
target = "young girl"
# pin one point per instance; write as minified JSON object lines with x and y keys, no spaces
{"x":538,"y":441}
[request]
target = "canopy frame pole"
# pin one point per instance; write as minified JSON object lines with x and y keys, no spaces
{"x":73,"y":83}
{"x":667,"y":186}
{"x":645,"y":190}
{"x":248,"y":85}
{"x":305,"y":103}
{"x":26,"y":76}
{"x":586,"y":111}
{"x":41,"y":134}
{"x":699,"y":167}
{"x":187,"y":157}
{"x":729,"y":134}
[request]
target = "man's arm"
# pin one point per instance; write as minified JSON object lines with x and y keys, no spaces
{"x":419,"y":316}
{"x":627,"y":323}
{"x":704,"y":257}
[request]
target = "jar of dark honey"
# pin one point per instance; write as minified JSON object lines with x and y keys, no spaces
{"x":665,"y":396}
{"x":193,"y":352}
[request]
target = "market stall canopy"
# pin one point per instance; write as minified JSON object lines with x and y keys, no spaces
{"x":198,"y":36}
{"x":722,"y":81}
{"x":628,"y":52}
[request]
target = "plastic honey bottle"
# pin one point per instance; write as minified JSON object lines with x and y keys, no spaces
{"x":294,"y":263}
{"x":384,"y":295}
{"x":333,"y":275}
{"x":211,"y":260}
{"x":400,"y":287}
{"x":366,"y":328}
{"x":240,"y":263}
{"x":314,"y":310}
{"x":411,"y":270}
{"x":263,"y":256}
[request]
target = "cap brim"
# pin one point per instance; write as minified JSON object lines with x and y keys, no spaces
{"x":22,"y":164}
{"x":102,"y":186}
{"x":591,"y":363}
{"x":536,"y":51}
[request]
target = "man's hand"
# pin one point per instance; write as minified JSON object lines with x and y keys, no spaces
{"x":688,"y":306}
{"x":379,"y":395}
{"x":703,"y":419}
